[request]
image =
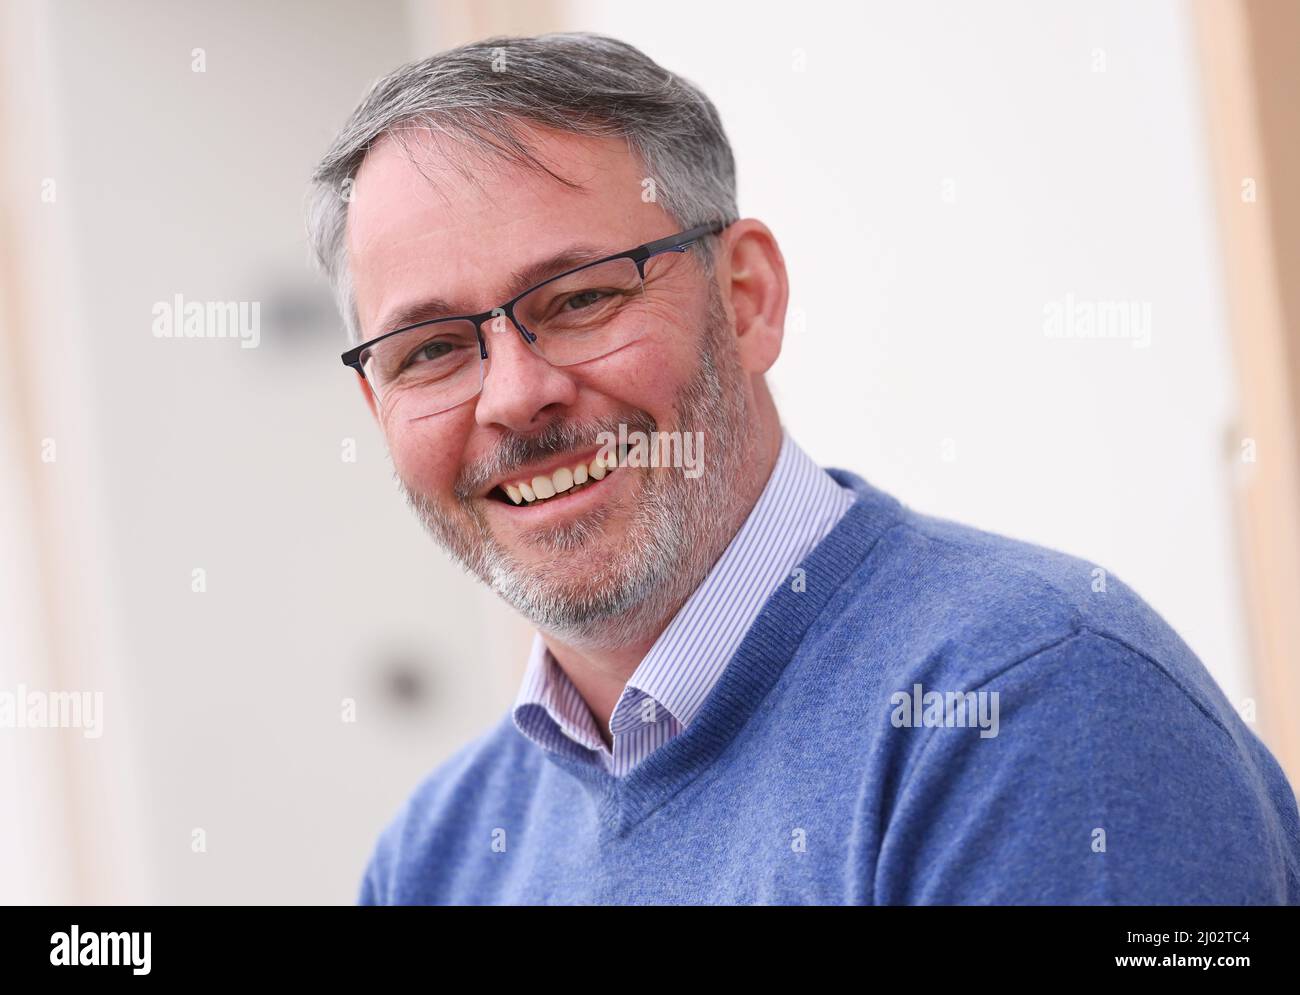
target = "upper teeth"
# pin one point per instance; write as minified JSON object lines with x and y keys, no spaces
{"x":565,"y":478}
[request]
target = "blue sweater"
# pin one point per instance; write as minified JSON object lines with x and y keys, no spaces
{"x":1077,"y":752}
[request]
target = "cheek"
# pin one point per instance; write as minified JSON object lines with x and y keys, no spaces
{"x":639,"y":377}
{"x":649,"y":373}
{"x":429,"y":461}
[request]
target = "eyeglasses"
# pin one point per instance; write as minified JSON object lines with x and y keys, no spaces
{"x":579,"y":315}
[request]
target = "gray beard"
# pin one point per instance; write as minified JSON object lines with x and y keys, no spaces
{"x":667,"y":549}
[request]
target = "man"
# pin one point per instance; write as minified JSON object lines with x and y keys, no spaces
{"x":754,"y":680}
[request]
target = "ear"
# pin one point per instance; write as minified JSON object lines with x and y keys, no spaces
{"x":754,"y":280}
{"x":368,"y":394}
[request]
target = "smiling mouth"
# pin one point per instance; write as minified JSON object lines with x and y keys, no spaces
{"x":554,"y":486}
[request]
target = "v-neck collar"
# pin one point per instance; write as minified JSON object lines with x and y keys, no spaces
{"x":753,"y":671}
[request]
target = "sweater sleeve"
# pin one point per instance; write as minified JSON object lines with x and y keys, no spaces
{"x":376,"y":882}
{"x":369,"y":891}
{"x":1106,"y":783}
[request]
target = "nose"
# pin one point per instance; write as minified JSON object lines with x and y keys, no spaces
{"x":519,"y":385}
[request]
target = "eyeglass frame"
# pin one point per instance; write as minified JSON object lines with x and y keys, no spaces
{"x":640,"y":255}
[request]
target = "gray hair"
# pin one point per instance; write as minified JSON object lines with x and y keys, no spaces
{"x":576,"y":82}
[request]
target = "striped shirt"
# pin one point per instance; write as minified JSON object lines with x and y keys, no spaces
{"x":799,"y":505}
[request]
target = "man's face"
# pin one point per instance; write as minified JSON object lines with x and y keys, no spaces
{"x":631,"y":545}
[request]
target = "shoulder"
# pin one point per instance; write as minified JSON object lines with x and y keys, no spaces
{"x":437,"y":811}
{"x":964,"y":605}
{"x":1088,"y":772}
{"x":1095,"y":722}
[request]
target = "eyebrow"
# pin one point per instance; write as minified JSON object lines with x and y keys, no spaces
{"x":431,"y":308}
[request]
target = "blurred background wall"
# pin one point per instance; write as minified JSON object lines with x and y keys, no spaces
{"x":209,"y":534}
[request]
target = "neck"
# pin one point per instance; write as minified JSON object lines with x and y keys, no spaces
{"x":599,"y":674}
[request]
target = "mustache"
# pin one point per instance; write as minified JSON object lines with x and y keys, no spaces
{"x":516,"y":451}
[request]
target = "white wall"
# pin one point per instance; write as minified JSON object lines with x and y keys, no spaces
{"x":916,"y":320}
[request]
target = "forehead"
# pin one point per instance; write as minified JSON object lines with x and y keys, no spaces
{"x":419,"y":227}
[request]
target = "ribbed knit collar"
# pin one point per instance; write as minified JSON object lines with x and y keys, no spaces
{"x":768,"y":646}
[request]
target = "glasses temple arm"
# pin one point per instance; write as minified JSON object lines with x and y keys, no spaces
{"x":680,"y":242}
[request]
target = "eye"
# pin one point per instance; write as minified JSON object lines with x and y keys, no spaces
{"x":434,"y":351}
{"x":430,"y":351}
{"x":584,"y":299}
